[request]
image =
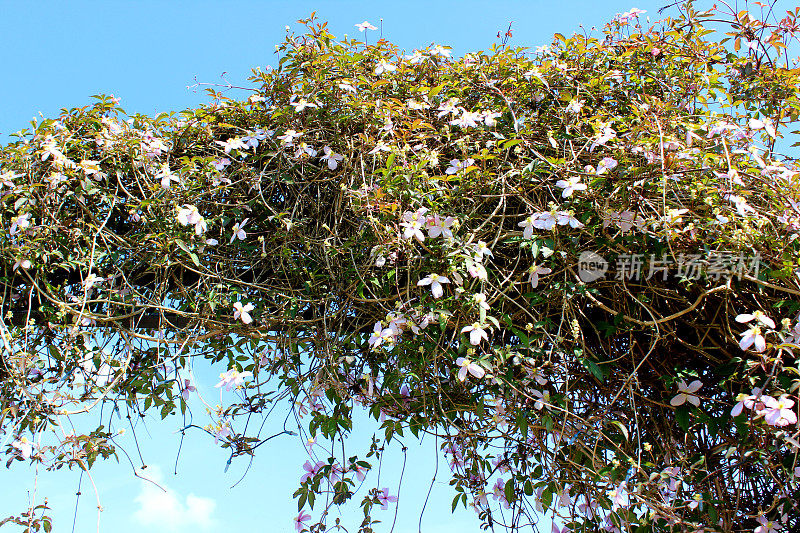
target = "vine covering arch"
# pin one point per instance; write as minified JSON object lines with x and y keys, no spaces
{"x":577,"y":266}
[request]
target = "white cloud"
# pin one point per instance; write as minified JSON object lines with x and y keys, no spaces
{"x":168,"y":511}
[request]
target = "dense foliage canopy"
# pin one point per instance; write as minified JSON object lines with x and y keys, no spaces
{"x":577,"y":266}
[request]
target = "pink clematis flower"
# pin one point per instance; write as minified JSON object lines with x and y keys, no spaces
{"x":779,"y":412}
{"x":476,"y":270}
{"x":24,"y":447}
{"x":564,"y":218}
{"x":381,"y":335}
{"x":385,"y":499}
{"x":758,"y":316}
{"x":476,"y":333}
{"x":686,"y":393}
{"x":242,"y":312}
{"x":606,"y":164}
{"x":481,"y":250}
{"x":167,"y":177}
{"x":232,"y":379}
{"x":456,"y":165}
{"x":480,"y":300}
{"x":220,"y":164}
{"x":311,"y":470}
{"x":751,"y":401}
{"x":753,"y":337}
{"x":361,"y":472}
{"x":238,"y":232}
{"x":570,"y":186}
{"x":19,"y":223}
{"x":435,"y":281}
{"x":619,"y":497}
{"x":365,"y":26}
{"x":534,"y":273}
{"x":468,"y":366}
{"x":221,"y":432}
{"x":438,"y":227}
{"x":544,"y":220}
{"x":413,"y":222}
{"x":300,"y":520}
{"x":384,"y":67}
{"x":542,"y":399}
{"x":187,"y":389}
{"x":499,"y":493}
{"x":767,"y":526}
{"x":331,"y":157}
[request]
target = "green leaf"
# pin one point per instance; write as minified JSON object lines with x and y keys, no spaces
{"x":682,"y":417}
{"x":622,"y":428}
{"x":528,"y":487}
{"x":435,"y":90}
{"x":508,"y":490}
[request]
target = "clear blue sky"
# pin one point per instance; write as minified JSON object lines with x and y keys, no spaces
{"x":56,"y":54}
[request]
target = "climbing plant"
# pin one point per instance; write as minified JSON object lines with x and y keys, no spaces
{"x":576,"y":266}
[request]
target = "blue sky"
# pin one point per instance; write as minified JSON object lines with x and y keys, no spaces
{"x":56,"y":54}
